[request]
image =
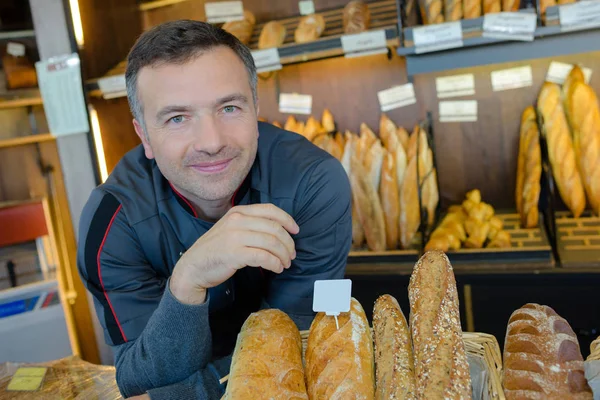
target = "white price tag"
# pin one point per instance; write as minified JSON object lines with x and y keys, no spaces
{"x":437,"y":37}
{"x":512,"y":78}
{"x":15,"y":49}
{"x":396,"y":97}
{"x":583,"y":14}
{"x":112,"y":86}
{"x":558,"y":72}
{"x":306,"y":7}
{"x":454,"y":86}
{"x":266,"y":60}
{"x":333,"y":296}
{"x":293,"y":103}
{"x":510,"y":25}
{"x":224,"y":11}
{"x":365,"y":43}
{"x":458,"y":111}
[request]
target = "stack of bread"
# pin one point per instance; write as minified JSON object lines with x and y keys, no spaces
{"x":424,"y":361}
{"x":572,"y":130}
{"x":542,"y":359}
{"x":471,"y":225}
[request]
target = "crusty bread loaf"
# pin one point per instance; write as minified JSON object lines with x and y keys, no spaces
{"x":584,"y":117}
{"x":529,"y":170}
{"x":471,"y":9}
{"x":560,"y":148}
{"x":267,"y":361}
{"x":402,"y":137}
{"x":372,"y":161}
{"x":511,"y":5}
{"x":357,"y":17}
{"x":542,"y":359}
{"x":327,"y":121}
{"x":410,"y":214}
{"x":387,"y":128}
{"x":453,"y":10}
{"x":242,"y":29}
{"x":394,"y":364}
{"x":390,"y":203}
{"x":272,"y":35}
{"x":339,"y":362}
{"x":431,"y":11}
{"x":492,"y":6}
{"x":310,"y":28}
{"x":575,"y":75}
{"x":441,"y":367}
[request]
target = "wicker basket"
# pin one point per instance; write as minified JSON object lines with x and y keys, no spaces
{"x":478,"y":344}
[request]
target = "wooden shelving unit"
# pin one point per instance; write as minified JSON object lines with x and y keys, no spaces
{"x":25,"y":140}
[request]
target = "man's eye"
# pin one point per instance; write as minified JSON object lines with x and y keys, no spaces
{"x":229,"y":109}
{"x":177,"y":119}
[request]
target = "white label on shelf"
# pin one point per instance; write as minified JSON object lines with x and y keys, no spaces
{"x":112,"y":86}
{"x":458,"y":111}
{"x":15,"y":49}
{"x":396,"y":97}
{"x":512,"y":78}
{"x":558,"y":72}
{"x":455,"y":85}
{"x":306,"y":7}
{"x":365,"y":43}
{"x":224,"y":11}
{"x":332,"y":296}
{"x":437,"y":37}
{"x":266,"y":60}
{"x":510,"y":25}
{"x":293,"y":103}
{"x":583,"y":14}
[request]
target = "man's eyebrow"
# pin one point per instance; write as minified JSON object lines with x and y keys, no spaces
{"x":171,"y":109}
{"x":236,"y":97}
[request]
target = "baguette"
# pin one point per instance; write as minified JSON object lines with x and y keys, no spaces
{"x":584,"y":116}
{"x":339,"y":362}
{"x":402,"y":137}
{"x":327,"y":121}
{"x":471,"y":9}
{"x":542,"y":359}
{"x":390,"y":203}
{"x":511,"y":5}
{"x":394,"y":365}
{"x":529,"y":170}
{"x":453,"y":10}
{"x":357,"y":17}
{"x":272,"y":35}
{"x":431,"y":11}
{"x":560,"y":149}
{"x":492,"y":6}
{"x":410,"y":213}
{"x":267,"y":361}
{"x":441,"y":367}
{"x":372,"y":161}
{"x":387,"y":128}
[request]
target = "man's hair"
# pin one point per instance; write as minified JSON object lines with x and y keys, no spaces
{"x":179,"y":42}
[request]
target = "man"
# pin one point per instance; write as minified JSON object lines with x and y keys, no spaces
{"x":212,"y":217}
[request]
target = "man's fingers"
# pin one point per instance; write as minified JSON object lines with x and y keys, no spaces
{"x":271,"y":212}
{"x":261,"y":258}
{"x":265,"y":242}
{"x":268,"y":226}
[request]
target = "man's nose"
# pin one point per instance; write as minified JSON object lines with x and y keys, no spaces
{"x":208,"y":137}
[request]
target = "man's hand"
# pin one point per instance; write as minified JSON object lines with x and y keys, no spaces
{"x":256,"y":235}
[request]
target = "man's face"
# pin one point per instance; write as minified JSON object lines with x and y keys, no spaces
{"x":201,"y":123}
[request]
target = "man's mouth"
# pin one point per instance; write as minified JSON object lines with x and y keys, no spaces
{"x":212,"y":167}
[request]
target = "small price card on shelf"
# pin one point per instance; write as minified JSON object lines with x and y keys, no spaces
{"x":293,"y":103}
{"x":437,"y":37}
{"x":307,"y":7}
{"x":510,"y":25}
{"x":512,"y":78}
{"x":266,"y":60}
{"x":364,"y":44}
{"x":458,"y":111}
{"x":112,"y":86}
{"x":332,"y":297}
{"x":27,"y":379}
{"x":15,"y":49}
{"x":224,"y":11}
{"x":455,"y":85}
{"x":396,"y":97}
{"x":583,"y":14}
{"x":558,"y":72}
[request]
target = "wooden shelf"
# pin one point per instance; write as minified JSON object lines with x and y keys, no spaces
{"x":6,"y":103}
{"x":25,"y":140}
{"x":151,"y":5}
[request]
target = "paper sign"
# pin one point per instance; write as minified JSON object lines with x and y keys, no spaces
{"x":295,"y":103}
{"x":27,"y":379}
{"x":583,"y":14}
{"x":224,"y":11}
{"x":306,"y":7}
{"x":396,"y":97}
{"x":512,"y":78}
{"x":458,"y":111}
{"x":332,"y":296}
{"x":266,"y":60}
{"x":15,"y":49}
{"x":365,"y":43}
{"x":510,"y":25}
{"x":456,"y":85}
{"x":112,"y":86}
{"x":62,"y":92}
{"x":558,"y":72}
{"x":437,"y":37}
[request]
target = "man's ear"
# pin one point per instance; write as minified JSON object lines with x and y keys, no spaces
{"x":144,"y":138}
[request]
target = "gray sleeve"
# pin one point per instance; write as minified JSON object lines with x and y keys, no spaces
{"x":323,"y":213}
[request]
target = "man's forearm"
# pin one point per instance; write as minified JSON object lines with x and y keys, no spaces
{"x":175,"y":344}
